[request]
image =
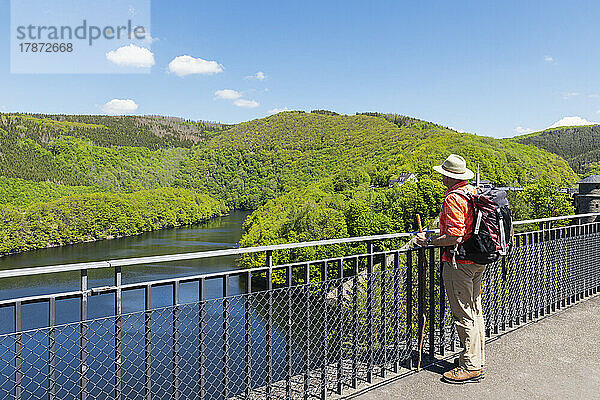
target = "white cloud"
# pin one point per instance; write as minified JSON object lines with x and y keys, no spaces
{"x":119,"y":106}
{"x":148,"y":39}
{"x":522,"y":131}
{"x":246,"y":103}
{"x":131,"y":56}
{"x":227,"y":94}
{"x":187,"y":65}
{"x":278,"y":110}
{"x":261,"y":76}
{"x":548,"y":59}
{"x":457,"y":130}
{"x":2,"y":108}
{"x":568,"y":95}
{"x":571,"y":121}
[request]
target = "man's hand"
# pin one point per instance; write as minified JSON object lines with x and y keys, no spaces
{"x":421,"y":239}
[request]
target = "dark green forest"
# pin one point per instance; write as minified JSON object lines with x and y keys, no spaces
{"x":578,"y":145}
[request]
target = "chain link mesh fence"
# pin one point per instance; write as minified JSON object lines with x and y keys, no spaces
{"x":294,"y":341}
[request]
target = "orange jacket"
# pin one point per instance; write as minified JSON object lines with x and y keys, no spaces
{"x":457,"y":216}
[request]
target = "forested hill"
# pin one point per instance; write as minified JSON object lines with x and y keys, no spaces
{"x":253,"y":161}
{"x":249,"y":163}
{"x":579,"y":145}
{"x":52,"y":167}
{"x":153,"y":132}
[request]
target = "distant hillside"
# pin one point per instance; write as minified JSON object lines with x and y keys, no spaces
{"x":153,"y":132}
{"x":249,"y":163}
{"x":76,"y":161}
{"x":254,"y":161}
{"x":579,"y":145}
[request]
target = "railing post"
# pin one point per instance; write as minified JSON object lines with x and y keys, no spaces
{"x":575,"y":274}
{"x":269,"y":327}
{"x":176,"y":341}
{"x":51,"y":349}
{"x":432,"y":302}
{"x":355,"y":317}
{"x":503,"y":292}
{"x":397,"y":327}
{"x":536,"y":302}
{"x":442,"y":302}
{"x":421,"y":292}
{"x":225,"y":338}
{"x":409,"y":306}
{"x":370,"y":311}
{"x":325,"y":332}
{"x":83,"y":336}
{"x":201,"y":347}
{"x":248,"y":335}
{"x":341,"y":326}
{"x":147,"y":342}
{"x":118,"y":355}
{"x":498,"y":276}
{"x":383,"y":301}
{"x":18,"y":347}
{"x":307,"y":336}
{"x":288,"y":333}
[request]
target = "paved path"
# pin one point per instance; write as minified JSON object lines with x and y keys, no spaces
{"x":557,"y":357}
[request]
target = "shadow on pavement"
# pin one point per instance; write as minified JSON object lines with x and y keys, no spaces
{"x":440,"y":367}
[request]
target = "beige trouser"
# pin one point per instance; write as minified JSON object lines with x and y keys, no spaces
{"x":463,"y":288}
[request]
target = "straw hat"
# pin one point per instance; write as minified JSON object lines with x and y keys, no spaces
{"x":455,"y":167}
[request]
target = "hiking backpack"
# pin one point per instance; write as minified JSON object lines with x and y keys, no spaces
{"x":493,"y":228}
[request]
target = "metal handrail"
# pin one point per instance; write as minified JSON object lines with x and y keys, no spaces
{"x":13,"y":273}
{"x":563,"y":217}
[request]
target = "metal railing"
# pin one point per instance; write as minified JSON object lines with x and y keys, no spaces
{"x":351,"y":319}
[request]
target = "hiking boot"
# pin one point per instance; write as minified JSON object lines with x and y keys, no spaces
{"x":482,"y":375}
{"x":461,"y":375}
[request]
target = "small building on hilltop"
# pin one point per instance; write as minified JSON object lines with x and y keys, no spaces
{"x":510,"y":188}
{"x":588,"y":199}
{"x":483,"y":184}
{"x":403,"y":178}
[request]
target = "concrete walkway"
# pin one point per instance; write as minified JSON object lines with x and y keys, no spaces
{"x":557,"y":357}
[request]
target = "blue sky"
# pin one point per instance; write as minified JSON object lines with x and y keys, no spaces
{"x":486,"y":67}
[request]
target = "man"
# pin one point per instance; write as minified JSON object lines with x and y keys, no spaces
{"x":462,"y":278}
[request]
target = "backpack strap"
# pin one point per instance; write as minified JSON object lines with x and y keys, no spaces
{"x":463,"y":193}
{"x":503,"y":244}
{"x":469,"y":197}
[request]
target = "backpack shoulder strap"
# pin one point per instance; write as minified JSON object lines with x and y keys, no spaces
{"x":463,"y":193}
{"x":470,"y":197}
